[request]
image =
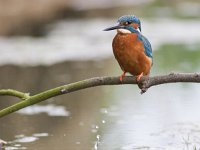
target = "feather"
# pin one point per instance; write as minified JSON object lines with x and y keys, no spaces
{"x":147,"y":47}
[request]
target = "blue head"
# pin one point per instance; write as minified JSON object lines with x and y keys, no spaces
{"x":127,"y":22}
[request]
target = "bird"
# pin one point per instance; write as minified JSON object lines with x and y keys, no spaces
{"x":131,"y":49}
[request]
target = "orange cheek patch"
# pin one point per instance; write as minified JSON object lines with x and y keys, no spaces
{"x":135,"y":25}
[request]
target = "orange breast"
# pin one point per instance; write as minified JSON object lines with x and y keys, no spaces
{"x":129,"y":52}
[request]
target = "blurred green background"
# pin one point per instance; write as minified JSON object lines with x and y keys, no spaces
{"x":48,"y":43}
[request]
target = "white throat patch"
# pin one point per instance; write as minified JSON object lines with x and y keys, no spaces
{"x":123,"y":31}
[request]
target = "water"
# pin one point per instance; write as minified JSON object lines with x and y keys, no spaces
{"x":164,"y":118}
{"x":100,"y":118}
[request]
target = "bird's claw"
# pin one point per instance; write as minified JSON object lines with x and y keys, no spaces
{"x":139,"y":77}
{"x":122,"y":76}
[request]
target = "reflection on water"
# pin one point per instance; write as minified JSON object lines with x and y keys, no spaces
{"x":24,"y":139}
{"x":20,"y":139}
{"x":37,"y":109}
{"x":103,"y":118}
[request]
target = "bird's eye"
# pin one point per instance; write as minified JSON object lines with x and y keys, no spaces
{"x":127,"y":23}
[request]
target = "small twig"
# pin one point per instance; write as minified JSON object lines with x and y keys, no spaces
{"x":11,"y":92}
{"x":144,"y":84}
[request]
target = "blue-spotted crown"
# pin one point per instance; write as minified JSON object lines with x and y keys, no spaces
{"x":130,"y":19}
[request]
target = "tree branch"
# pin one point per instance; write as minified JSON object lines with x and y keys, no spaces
{"x":144,"y":84}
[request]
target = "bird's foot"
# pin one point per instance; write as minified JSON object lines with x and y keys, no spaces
{"x":139,"y":77}
{"x":122,"y":76}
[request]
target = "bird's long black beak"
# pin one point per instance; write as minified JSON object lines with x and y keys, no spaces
{"x":113,"y":27}
{"x":140,"y":28}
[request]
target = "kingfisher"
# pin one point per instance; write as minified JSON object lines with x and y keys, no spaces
{"x":131,"y":49}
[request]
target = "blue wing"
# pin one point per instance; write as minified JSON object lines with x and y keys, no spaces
{"x":147,"y":47}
